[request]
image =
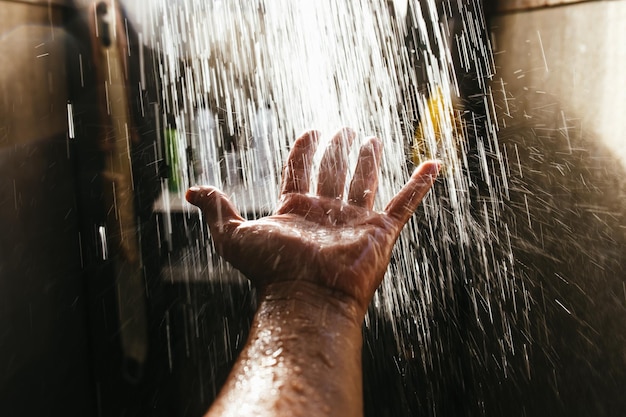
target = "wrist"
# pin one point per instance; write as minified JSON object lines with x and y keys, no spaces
{"x":304,"y":349}
{"x":316,"y":303}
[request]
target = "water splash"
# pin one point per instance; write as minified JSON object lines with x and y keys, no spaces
{"x":241,"y":81}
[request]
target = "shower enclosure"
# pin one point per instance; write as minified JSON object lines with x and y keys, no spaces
{"x":507,"y":294}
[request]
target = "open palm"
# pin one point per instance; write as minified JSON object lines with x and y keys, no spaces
{"x":342,"y":245}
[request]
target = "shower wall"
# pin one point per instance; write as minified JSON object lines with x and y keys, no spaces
{"x":43,"y":334}
{"x":559,"y":97}
{"x":60,"y":329}
{"x":576,"y":53}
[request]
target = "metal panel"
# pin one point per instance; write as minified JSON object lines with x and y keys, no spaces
{"x":46,"y":3}
{"x":560,"y":105}
{"x":43,"y":340}
{"x":580,"y":61}
{"x":505,"y":6}
{"x":34,"y":96}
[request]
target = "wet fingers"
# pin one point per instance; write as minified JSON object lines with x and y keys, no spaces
{"x":297,"y":170}
{"x":365,"y":179}
{"x":334,"y":165}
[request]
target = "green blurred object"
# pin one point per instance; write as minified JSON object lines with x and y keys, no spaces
{"x":173,"y":154}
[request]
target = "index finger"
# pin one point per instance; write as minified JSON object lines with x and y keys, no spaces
{"x":404,"y":204}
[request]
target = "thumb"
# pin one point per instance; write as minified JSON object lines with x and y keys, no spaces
{"x":219,"y":213}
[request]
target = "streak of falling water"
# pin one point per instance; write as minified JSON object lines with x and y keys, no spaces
{"x":252,"y":76}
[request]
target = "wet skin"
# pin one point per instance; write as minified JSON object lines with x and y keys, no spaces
{"x":316,"y":263}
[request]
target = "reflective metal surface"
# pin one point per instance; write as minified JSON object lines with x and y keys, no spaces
{"x":44,"y":364}
{"x":46,"y":3}
{"x":559,"y":95}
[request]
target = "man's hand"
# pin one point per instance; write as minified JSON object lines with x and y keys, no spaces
{"x":340,"y":245}
{"x":316,"y":263}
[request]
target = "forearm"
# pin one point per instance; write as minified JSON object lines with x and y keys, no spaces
{"x":303,"y":357}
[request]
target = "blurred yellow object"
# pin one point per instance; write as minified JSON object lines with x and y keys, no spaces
{"x":437,"y":116}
